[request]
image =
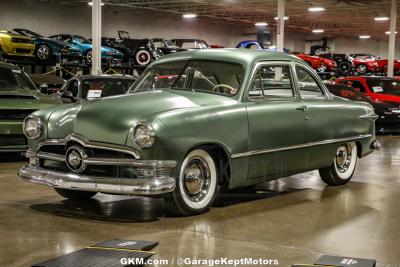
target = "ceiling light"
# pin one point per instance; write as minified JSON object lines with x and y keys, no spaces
{"x":316,"y":9}
{"x":91,"y":4}
{"x":318,"y":31}
{"x":381,"y":19}
{"x":260,"y":24}
{"x":364,"y":36}
{"x":388,"y":32}
{"x":189,"y":15}
{"x":285,"y":18}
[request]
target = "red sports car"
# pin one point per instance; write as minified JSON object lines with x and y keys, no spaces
{"x":365,"y":64}
{"x":382,"y":63}
{"x":382,"y":89}
{"x":318,"y":63}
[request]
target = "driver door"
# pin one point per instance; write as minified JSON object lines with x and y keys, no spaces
{"x":277,"y":123}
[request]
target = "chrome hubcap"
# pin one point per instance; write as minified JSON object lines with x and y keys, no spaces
{"x":322,"y":68}
{"x":89,"y":56}
{"x":343,"y":158}
{"x":196,"y":179}
{"x":43,"y":53}
{"x":362,"y":69}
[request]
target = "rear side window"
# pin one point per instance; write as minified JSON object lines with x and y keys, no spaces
{"x":308,"y":85}
{"x":272,"y":81}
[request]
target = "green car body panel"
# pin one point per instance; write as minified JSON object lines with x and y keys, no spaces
{"x":262,"y":140}
{"x":14,"y":104}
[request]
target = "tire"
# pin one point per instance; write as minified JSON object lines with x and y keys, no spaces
{"x":74,"y":194}
{"x":194,"y":196}
{"x":344,"y":67}
{"x":88,"y":56}
{"x":43,"y":53}
{"x":344,"y":164}
{"x":362,"y":69}
{"x":142,"y":57}
{"x":322,"y":68}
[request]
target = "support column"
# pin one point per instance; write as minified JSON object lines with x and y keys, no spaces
{"x":96,"y":37}
{"x":392,"y":38}
{"x":281,"y":26}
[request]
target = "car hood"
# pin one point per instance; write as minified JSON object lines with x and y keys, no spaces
{"x":18,"y":98}
{"x":110,"y":119}
{"x":387,"y":97}
{"x":58,"y":43}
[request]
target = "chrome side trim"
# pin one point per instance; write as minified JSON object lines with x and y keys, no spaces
{"x":89,"y":144}
{"x":369,"y":116}
{"x":105,"y":161}
{"x":324,"y":142}
{"x":72,"y":181}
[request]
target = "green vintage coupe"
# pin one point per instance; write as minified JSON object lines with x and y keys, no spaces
{"x":18,"y":98}
{"x":196,"y":122}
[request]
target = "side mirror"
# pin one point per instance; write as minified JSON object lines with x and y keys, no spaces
{"x":68,"y":95}
{"x":43,"y":88}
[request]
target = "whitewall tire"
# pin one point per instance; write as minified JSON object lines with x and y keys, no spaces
{"x":344,"y":164}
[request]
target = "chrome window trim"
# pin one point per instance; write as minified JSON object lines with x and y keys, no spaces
{"x":257,"y":66}
{"x":324,"y":142}
{"x":326,"y":95}
{"x":89,"y":144}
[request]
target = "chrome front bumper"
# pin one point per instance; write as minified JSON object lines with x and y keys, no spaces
{"x":72,"y":181}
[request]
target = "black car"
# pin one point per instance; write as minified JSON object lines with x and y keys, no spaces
{"x":136,"y":51}
{"x":190,"y":43}
{"x":48,"y":83}
{"x":94,"y":86}
{"x":166,"y":47}
{"x":389,"y":113}
{"x":49,"y":50}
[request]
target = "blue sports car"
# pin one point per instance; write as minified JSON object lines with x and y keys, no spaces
{"x":107,"y":53}
{"x":48,"y":50}
{"x":253,"y":44}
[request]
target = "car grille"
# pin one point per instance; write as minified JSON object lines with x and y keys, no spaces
{"x":22,"y":50}
{"x":12,"y":139}
{"x":93,"y":170}
{"x":22,"y":40}
{"x":15,"y":114}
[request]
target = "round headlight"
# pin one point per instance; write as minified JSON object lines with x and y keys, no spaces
{"x":32,"y":127}
{"x":144,"y":135}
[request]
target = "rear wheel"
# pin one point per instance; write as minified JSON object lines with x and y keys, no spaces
{"x":43,"y":53}
{"x":196,"y":186}
{"x":74,"y":194}
{"x":344,"y":164}
{"x":88,"y":56}
{"x":344,"y":67}
{"x":362,"y":68}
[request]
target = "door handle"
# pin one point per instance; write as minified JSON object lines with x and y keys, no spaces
{"x":302,"y":108}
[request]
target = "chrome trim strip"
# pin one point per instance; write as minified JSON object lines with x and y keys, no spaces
{"x":369,"y":116}
{"x":89,"y":144}
{"x":140,"y":186}
{"x":271,"y":150}
{"x":105,"y":161}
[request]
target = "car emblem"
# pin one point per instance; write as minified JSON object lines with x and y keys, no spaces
{"x":75,"y":157}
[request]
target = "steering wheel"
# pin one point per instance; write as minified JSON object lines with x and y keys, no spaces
{"x":224,"y":85}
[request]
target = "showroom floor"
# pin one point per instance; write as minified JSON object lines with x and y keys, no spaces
{"x":295,"y":221}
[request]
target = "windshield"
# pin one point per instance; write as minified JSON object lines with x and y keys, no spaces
{"x":29,"y":33}
{"x":14,"y":78}
{"x":384,"y":86}
{"x":82,"y":39}
{"x":205,"y":76}
{"x":102,"y":87}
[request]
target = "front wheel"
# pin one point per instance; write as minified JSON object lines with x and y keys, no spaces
{"x":196,"y":186}
{"x":74,"y":194}
{"x":344,"y":164}
{"x":344,"y":67}
{"x":362,"y":69}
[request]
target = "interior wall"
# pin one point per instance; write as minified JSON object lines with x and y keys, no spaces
{"x":50,"y":19}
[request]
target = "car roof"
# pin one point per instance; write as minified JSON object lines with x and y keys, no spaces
{"x":234,"y":55}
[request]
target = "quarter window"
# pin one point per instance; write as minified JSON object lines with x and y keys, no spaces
{"x":272,"y":81}
{"x":308,"y":85}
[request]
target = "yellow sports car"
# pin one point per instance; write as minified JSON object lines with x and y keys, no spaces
{"x":15,"y":45}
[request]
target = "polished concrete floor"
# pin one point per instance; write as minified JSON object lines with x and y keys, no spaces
{"x":293,"y":220}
